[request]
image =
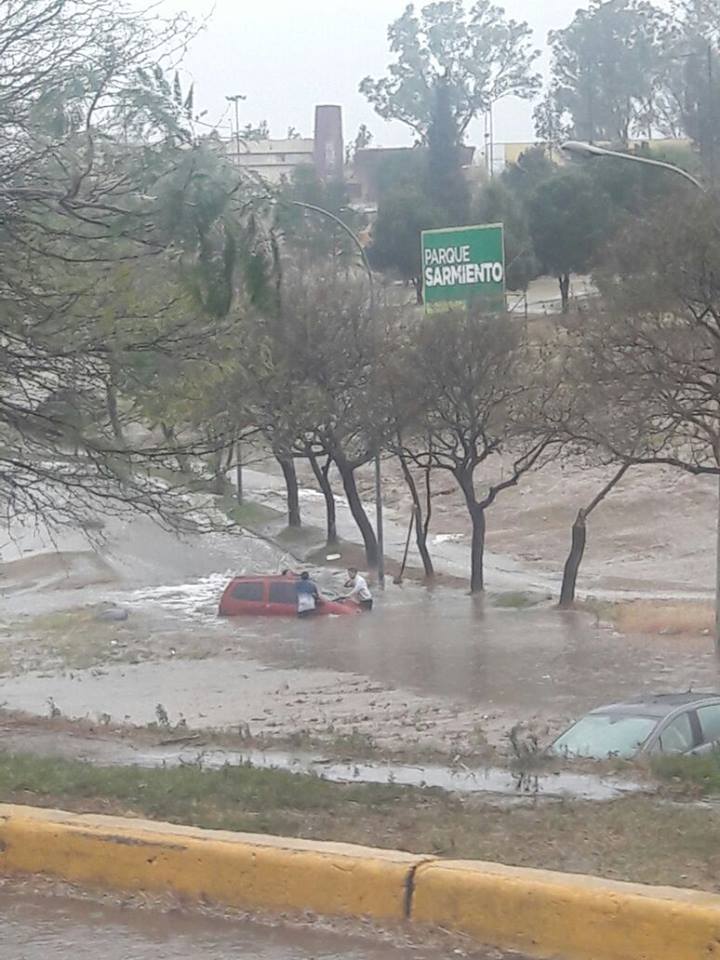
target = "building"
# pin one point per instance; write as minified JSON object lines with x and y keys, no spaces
{"x":369,"y":165}
{"x":277,"y":160}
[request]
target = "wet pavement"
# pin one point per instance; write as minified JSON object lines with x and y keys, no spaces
{"x":43,"y":927}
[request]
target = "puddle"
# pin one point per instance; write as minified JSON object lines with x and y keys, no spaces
{"x":493,"y":780}
{"x":461,"y":779}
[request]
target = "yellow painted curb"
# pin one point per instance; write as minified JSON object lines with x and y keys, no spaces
{"x":544,"y":914}
{"x":557,"y":915}
{"x":242,"y":870}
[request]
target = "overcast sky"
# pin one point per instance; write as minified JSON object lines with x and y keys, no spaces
{"x":288,"y":55}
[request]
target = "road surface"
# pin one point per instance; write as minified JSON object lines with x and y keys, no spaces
{"x":44,"y":926}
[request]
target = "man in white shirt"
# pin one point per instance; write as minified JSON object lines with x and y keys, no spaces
{"x":359,"y":592}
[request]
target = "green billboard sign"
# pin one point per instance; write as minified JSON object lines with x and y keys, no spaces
{"x":463,"y":265}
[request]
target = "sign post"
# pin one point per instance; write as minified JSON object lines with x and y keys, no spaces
{"x":465,"y":265}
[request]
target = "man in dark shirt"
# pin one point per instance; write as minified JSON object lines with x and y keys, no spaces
{"x":308,"y":595}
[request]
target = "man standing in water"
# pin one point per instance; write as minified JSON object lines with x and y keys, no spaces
{"x":308,"y":595}
{"x":359,"y":593}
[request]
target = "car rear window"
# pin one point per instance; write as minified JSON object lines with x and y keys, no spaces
{"x":283,"y":592}
{"x":249,"y":590}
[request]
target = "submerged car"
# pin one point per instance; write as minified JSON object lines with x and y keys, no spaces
{"x":665,"y":723}
{"x":273,"y":596}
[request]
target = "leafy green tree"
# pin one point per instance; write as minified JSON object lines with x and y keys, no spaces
{"x":568,"y":221}
{"x":426,"y":189}
{"x":497,"y":204}
{"x":606,"y":67}
{"x":482,"y":55}
{"x":445,"y":181}
{"x":309,"y":234}
{"x":403,"y":213}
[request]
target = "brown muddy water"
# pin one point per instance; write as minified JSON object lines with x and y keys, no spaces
{"x":425,"y":664}
{"x":52,"y":927}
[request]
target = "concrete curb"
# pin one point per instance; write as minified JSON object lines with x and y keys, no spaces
{"x":568,"y":916}
{"x":544,"y":914}
{"x":236,"y":869}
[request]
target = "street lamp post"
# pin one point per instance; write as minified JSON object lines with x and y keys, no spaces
{"x":379,"y":533}
{"x":578,"y":149}
{"x":235,"y":99}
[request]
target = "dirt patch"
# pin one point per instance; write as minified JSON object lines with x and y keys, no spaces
{"x":664,"y":618}
{"x":61,"y":570}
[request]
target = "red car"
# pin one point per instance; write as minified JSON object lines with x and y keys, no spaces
{"x":273,"y":596}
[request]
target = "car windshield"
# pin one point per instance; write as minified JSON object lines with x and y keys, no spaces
{"x":600,"y":735}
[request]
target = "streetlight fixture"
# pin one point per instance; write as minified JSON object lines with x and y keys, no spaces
{"x":576,"y":148}
{"x":579,"y":150}
{"x":235,"y":99}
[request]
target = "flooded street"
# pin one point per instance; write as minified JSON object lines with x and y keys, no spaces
{"x":429,"y":669}
{"x":425,"y":668}
{"x":47,"y":927}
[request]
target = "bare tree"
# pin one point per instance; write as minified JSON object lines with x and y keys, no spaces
{"x":579,"y":538}
{"x":474,"y":378}
{"x":654,"y":357}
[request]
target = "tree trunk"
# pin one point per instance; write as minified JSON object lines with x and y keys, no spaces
{"x":347,"y":472}
{"x":218,"y":472}
{"x":464,"y":478}
{"x":579,"y":539}
{"x":238,"y":471}
{"x":572,"y":564}
{"x":564,"y":281}
{"x":477,"y":554}
{"x":287,"y":465}
{"x":112,"y":404}
{"x":171,"y":440}
{"x":421,"y":523}
{"x":323,"y":480}
{"x":418,"y":285}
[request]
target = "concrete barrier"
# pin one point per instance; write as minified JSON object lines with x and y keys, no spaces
{"x":558,"y":915}
{"x":541,"y":913}
{"x":241,"y":870}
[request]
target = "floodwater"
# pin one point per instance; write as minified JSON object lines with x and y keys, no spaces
{"x":42,"y":927}
{"x":434,"y":662}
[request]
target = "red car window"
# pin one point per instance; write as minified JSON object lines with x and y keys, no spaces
{"x":283,"y":593}
{"x":253,"y":591}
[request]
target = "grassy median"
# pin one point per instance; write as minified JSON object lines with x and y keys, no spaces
{"x":636,"y":838}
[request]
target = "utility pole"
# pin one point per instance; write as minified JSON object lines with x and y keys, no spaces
{"x":711,"y":116}
{"x":235,"y":99}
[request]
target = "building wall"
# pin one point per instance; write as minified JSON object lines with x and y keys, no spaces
{"x":272,"y":159}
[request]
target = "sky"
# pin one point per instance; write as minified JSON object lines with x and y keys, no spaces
{"x":286,"y":56}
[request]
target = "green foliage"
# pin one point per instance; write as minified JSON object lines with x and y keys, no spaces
{"x":445,"y":181}
{"x":568,"y":220}
{"x":695,"y":773}
{"x":309,"y":234}
{"x":496,"y":203}
{"x":403,"y":213}
{"x":482,"y":56}
{"x":419,"y":190}
{"x":606,"y":68}
{"x":254,"y":133}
